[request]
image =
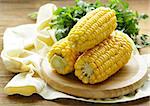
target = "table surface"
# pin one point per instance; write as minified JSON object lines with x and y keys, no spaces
{"x":14,"y":12}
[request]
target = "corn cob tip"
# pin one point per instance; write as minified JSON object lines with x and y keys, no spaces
{"x":58,"y":63}
{"x":62,"y":57}
{"x":87,"y":71}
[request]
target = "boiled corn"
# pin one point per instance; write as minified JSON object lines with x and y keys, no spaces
{"x":90,"y":30}
{"x":105,"y":59}
{"x":93,"y":28}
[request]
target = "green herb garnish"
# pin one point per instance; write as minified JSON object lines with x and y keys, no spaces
{"x":67,"y":17}
{"x":127,"y":20}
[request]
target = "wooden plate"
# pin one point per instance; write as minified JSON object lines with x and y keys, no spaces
{"x":128,"y":79}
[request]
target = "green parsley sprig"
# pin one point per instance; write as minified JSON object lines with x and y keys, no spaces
{"x":127,"y":20}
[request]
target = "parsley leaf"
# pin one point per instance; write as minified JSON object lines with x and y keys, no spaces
{"x":67,"y":17}
{"x":127,"y":20}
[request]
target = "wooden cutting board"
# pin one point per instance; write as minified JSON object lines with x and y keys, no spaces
{"x":17,"y":10}
{"x":128,"y":79}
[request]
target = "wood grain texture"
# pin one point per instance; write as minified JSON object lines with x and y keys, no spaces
{"x":14,"y":12}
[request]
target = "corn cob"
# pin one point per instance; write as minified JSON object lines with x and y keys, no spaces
{"x":93,"y":28}
{"x":105,"y":59}
{"x":62,"y":57}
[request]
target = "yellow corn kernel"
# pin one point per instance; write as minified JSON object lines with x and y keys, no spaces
{"x":93,"y":28}
{"x":89,"y":31}
{"x":107,"y":62}
{"x":62,"y":57}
